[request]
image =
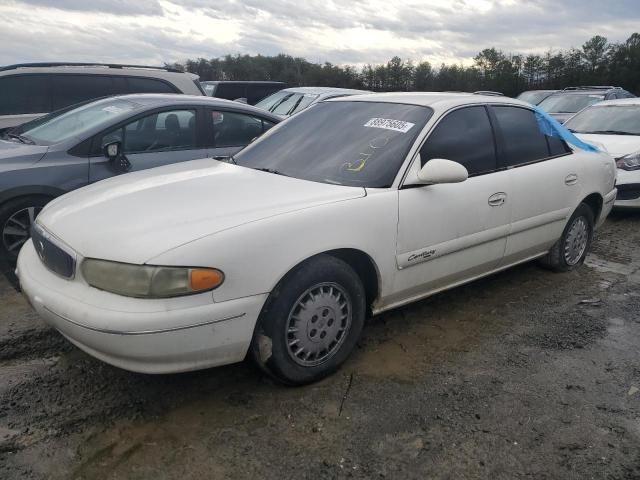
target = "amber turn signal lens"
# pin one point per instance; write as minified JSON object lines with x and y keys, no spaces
{"x":205,"y":279}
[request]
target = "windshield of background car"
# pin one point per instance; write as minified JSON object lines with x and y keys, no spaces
{"x":346,"y":143}
{"x":610,"y":119}
{"x":533,"y":98}
{"x":569,"y":103}
{"x":75,"y":122}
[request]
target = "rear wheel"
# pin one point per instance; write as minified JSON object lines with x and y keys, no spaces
{"x":16,"y":218}
{"x":571,"y":250}
{"x":311,"y":322}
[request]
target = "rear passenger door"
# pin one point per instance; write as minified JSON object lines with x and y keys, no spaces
{"x":153,"y":140}
{"x":545,"y":176}
{"x":449,"y":233}
{"x":229,"y":132}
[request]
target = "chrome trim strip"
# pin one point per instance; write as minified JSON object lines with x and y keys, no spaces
{"x":142,"y":332}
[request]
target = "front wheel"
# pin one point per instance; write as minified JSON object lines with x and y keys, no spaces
{"x":571,"y":250}
{"x":16,"y":218}
{"x":311,"y":322}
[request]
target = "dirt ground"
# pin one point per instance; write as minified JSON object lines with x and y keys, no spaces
{"x":526,"y":374}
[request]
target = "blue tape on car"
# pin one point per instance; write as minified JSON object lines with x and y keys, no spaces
{"x":552,"y":128}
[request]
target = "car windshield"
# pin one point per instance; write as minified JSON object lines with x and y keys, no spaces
{"x":344,"y":143}
{"x":68,"y":123}
{"x":533,"y":97}
{"x":569,"y":103}
{"x":610,"y":119}
{"x":286,"y":103}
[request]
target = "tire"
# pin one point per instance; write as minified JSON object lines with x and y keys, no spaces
{"x":298,"y":345}
{"x":570,"y":251}
{"x":16,"y":217}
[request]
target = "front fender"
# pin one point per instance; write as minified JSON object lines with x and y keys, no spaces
{"x":256,"y":256}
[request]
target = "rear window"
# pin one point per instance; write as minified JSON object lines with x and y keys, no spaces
{"x":569,"y":103}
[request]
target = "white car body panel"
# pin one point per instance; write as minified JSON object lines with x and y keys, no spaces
{"x":256,"y":226}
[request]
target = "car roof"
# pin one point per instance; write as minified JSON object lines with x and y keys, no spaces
{"x":323,"y":90}
{"x":151,"y":100}
{"x":620,"y":101}
{"x":98,"y":69}
{"x":436,"y":100}
{"x":242,"y":82}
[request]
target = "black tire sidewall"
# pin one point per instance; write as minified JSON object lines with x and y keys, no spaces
{"x":9,"y":208}
{"x":273,"y":320}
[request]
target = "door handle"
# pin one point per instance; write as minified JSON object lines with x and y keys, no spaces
{"x":571,"y":179}
{"x":497,"y":199}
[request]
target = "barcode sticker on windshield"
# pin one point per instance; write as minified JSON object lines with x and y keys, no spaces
{"x":389,"y":124}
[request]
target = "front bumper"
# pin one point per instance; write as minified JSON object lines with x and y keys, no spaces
{"x":147,"y":336}
{"x":609,"y":200}
{"x":628,"y":184}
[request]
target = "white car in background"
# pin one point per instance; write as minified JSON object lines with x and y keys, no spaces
{"x":615,"y":124}
{"x":293,"y":100}
{"x":356,"y":205}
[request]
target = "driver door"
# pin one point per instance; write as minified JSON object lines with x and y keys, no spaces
{"x":154,"y":140}
{"x":449,"y":233}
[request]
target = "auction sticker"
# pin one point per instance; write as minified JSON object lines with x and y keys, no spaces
{"x":390,"y":124}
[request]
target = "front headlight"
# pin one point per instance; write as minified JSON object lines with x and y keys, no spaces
{"x":145,"y":281}
{"x":629,"y":162}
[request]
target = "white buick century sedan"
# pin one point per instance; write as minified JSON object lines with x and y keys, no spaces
{"x":354,"y":206}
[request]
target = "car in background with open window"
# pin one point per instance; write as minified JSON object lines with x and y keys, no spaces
{"x":564,"y":104}
{"x":615,"y":124}
{"x":80,"y":145}
{"x":290,"y":101}
{"x":31,"y":90}
{"x":359,"y":204}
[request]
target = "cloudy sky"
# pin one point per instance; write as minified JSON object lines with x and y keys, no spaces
{"x":353,"y":32}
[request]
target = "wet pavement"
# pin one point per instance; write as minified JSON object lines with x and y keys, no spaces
{"x":526,"y":374}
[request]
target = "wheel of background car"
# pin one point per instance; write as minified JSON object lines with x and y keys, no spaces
{"x":16,"y":218}
{"x":571,"y":250}
{"x":311,"y":321}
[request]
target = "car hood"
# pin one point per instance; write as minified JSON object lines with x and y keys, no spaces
{"x":135,"y":217}
{"x":10,"y":151}
{"x":616,"y":145}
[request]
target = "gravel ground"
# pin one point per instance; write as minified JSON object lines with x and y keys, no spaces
{"x":526,"y":374}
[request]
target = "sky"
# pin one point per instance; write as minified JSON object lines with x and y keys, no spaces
{"x":353,"y":32}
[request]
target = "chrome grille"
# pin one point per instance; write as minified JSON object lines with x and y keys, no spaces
{"x":54,"y":257}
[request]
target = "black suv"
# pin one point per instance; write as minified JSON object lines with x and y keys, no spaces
{"x":251,"y":91}
{"x":563,"y":104}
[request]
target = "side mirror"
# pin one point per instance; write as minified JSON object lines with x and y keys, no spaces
{"x":438,"y":170}
{"x":112,"y":150}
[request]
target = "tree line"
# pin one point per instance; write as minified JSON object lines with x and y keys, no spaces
{"x":597,"y":62}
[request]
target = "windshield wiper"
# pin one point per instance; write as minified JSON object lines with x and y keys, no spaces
{"x":610,"y":132}
{"x":271,"y":170}
{"x":21,"y":138}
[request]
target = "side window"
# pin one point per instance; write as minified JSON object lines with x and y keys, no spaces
{"x":524,"y":142}
{"x":464,"y":136}
{"x":235,"y":129}
{"x":165,"y":131}
{"x":148,"y":85}
{"x":71,"y":89}
{"x":230,"y":91}
{"x":22,"y":94}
